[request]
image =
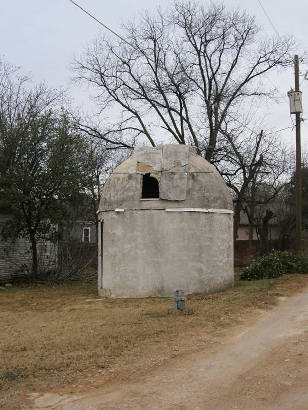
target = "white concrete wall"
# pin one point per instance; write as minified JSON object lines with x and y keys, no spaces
{"x":153,"y":252}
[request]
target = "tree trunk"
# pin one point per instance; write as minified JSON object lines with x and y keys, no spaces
{"x":236,"y":219}
{"x":34,"y":270}
{"x":264,"y":230}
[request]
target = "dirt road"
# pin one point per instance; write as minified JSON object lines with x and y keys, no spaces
{"x":264,"y":366}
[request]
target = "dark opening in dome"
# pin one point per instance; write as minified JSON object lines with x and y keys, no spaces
{"x":150,"y":187}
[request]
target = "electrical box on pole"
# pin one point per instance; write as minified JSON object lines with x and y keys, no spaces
{"x":295,"y":98}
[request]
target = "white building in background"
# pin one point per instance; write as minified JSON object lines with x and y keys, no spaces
{"x":16,"y":257}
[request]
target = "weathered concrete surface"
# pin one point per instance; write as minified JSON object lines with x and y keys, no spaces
{"x":154,"y":252}
{"x":175,"y":159}
{"x":151,"y":158}
{"x":173,"y":186}
{"x":147,"y":251}
{"x":205,"y":186}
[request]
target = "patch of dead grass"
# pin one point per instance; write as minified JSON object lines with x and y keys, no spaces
{"x":53,"y":335}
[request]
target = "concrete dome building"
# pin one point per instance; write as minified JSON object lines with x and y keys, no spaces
{"x":165,"y":223}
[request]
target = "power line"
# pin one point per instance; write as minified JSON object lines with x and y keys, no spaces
{"x":269,"y":19}
{"x":282,"y":129}
{"x":100,"y":22}
{"x":127,"y":42}
{"x":277,"y":33}
{"x":107,"y":28}
{"x":255,"y":132}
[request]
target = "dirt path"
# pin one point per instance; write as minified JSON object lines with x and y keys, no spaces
{"x":265,"y":366}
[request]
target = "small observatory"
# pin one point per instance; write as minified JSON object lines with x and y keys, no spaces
{"x":165,"y":223}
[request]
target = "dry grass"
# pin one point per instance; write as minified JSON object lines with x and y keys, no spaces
{"x":53,"y":335}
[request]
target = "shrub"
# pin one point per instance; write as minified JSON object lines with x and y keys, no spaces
{"x":275,"y":264}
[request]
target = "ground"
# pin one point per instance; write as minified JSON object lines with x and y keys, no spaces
{"x":65,"y":347}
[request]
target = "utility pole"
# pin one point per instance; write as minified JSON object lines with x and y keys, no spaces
{"x":295,"y":97}
{"x":298,"y":178}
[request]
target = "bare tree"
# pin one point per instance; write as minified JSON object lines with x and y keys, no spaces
{"x":180,"y":75}
{"x":256,"y":167}
{"x":99,"y":164}
{"x":99,"y":161}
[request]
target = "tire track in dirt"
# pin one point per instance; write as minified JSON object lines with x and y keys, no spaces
{"x":265,"y":366}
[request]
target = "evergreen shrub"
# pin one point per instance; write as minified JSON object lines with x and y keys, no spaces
{"x":275,"y":264}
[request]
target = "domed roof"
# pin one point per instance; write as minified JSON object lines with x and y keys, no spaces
{"x":183,"y":178}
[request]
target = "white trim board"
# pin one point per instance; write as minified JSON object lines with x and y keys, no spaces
{"x":202,"y":210}
{"x":209,"y":211}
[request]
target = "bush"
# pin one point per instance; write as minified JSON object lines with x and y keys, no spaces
{"x":275,"y":264}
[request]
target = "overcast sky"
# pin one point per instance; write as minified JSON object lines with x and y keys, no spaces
{"x":42,"y":37}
